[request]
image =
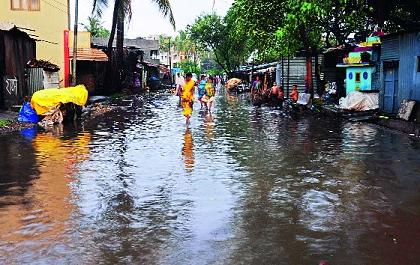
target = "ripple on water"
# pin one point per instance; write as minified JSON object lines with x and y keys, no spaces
{"x":244,"y":185}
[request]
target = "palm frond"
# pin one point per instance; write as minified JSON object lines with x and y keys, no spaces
{"x":126,"y":10}
{"x":99,"y":6}
{"x":166,"y":9}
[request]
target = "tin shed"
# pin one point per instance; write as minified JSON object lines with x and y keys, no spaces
{"x":16,"y":49}
{"x":400,"y":74}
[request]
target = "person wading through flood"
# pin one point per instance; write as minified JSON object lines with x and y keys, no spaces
{"x":274,"y":95}
{"x":294,"y":95}
{"x":210,"y":93}
{"x":187,"y":97}
{"x":202,"y":90}
{"x":179,"y":81}
{"x":281,"y":96}
{"x":256,"y":92}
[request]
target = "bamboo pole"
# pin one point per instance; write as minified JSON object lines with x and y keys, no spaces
{"x":76,"y":21}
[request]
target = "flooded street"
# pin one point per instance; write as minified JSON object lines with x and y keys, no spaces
{"x":243,"y":186}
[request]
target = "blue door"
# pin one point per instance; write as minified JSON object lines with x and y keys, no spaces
{"x":391,"y":89}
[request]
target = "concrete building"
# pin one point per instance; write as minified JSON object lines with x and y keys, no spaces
{"x":150,"y":48}
{"x":43,"y":20}
{"x":176,"y":57}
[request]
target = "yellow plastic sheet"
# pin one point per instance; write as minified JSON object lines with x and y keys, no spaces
{"x":44,"y":100}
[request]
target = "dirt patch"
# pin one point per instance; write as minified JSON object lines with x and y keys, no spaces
{"x":12,"y":126}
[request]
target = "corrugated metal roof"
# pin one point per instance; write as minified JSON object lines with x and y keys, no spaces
{"x":90,"y":54}
{"x":390,"y":48}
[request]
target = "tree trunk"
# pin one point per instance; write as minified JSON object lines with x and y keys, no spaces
{"x":109,"y":80}
{"x":308,"y":80}
{"x":120,"y":51}
{"x":113,"y":27}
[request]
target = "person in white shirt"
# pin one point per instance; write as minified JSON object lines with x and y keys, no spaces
{"x":179,"y":81}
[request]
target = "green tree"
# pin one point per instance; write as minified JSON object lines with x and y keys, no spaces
{"x":183,"y":43}
{"x":214,"y":34}
{"x":395,"y":14}
{"x":284,"y":27}
{"x":165,"y":43}
{"x":96,"y":28}
{"x":189,"y":66}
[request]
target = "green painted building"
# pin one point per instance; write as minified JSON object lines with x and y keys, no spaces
{"x":363,"y":67}
{"x":358,"y":77}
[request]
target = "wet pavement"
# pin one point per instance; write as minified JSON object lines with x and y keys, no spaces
{"x":242,"y":186}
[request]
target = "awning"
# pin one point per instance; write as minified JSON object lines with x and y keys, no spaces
{"x":90,"y":54}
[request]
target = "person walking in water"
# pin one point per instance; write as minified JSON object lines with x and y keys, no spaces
{"x":202,"y":90}
{"x":210,"y":93}
{"x":179,"y":81}
{"x":256,"y":92}
{"x":294,"y":95}
{"x":187,"y":97}
{"x":274,"y":95}
{"x":256,"y":86}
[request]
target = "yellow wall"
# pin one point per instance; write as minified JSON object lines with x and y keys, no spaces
{"x":49,"y":24}
{"x":83,"y":39}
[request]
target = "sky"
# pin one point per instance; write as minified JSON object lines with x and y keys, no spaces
{"x":147,"y":20}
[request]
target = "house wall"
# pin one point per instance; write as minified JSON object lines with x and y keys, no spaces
{"x":404,"y":49}
{"x":294,"y":73}
{"x":83,"y":39}
{"x":49,"y":24}
{"x":365,"y":78}
{"x":409,"y":82}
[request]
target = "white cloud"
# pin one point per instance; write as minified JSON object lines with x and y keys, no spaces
{"x":147,"y":20}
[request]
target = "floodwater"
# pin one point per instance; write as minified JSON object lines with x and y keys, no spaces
{"x":243,"y":186}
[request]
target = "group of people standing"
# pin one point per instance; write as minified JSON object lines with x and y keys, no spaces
{"x":186,"y":88}
{"x":274,"y":96}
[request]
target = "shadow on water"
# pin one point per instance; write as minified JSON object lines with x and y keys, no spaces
{"x":18,"y":166}
{"x":243,"y":185}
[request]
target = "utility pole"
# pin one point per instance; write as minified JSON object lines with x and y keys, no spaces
{"x":68,"y":15}
{"x":76,"y":21}
{"x":170,"y":60}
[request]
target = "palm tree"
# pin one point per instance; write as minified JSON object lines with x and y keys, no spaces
{"x":96,"y":28}
{"x":122,"y":10}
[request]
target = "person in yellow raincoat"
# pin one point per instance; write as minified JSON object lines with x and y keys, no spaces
{"x":187,"y":97}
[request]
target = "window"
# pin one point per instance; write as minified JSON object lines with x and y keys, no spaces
{"x":418,"y":63}
{"x":30,"y":5}
{"x":357,"y":77}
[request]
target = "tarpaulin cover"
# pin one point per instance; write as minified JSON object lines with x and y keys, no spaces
{"x":27,"y":114}
{"x":231,"y":83}
{"x":359,"y":101}
{"x":45,"y":100}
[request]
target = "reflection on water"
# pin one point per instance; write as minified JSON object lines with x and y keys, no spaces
{"x":260,"y":189}
{"x":43,"y":210}
{"x":187,"y":150}
{"x":209,"y":127}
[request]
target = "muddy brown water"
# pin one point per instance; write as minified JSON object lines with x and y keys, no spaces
{"x":243,"y":186}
